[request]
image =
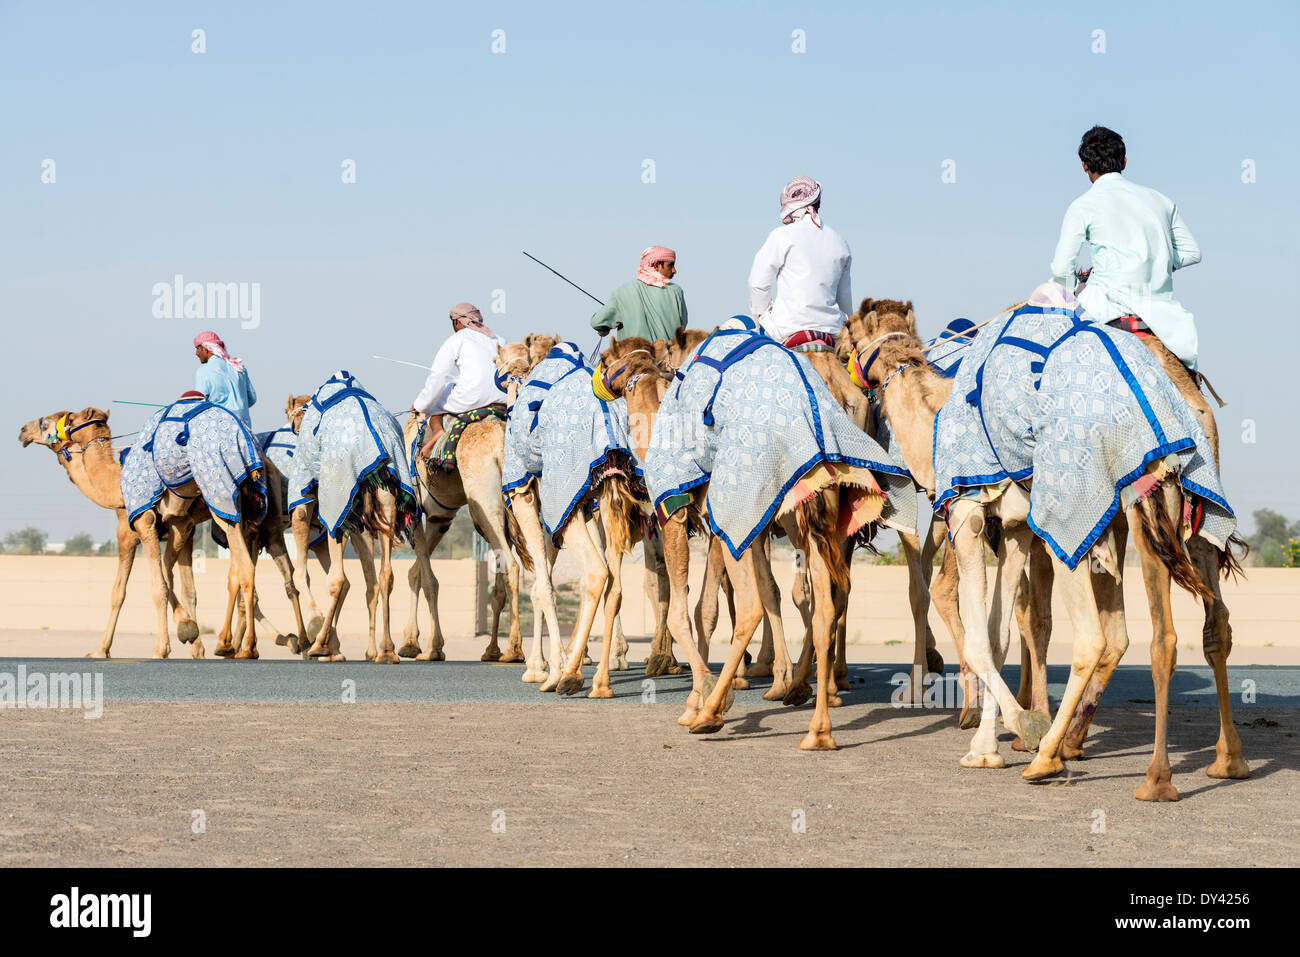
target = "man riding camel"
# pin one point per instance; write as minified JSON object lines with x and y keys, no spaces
{"x":1138,"y":240}
{"x":810,"y":263}
{"x":462,"y":380}
{"x":224,"y":382}
{"x":649,"y":306}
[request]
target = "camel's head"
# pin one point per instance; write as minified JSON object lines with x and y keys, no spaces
{"x":295,"y":409}
{"x":538,"y":346}
{"x":874,"y":330}
{"x":513,"y":363}
{"x":59,"y":430}
{"x":629,"y":368}
{"x":671,"y":353}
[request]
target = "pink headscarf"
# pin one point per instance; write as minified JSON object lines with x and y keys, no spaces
{"x":649,"y":256}
{"x":797,"y":200}
{"x":469,"y":315}
{"x":212,"y":342}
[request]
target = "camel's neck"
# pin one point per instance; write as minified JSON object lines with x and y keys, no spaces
{"x":911,"y":400}
{"x":95,"y":471}
{"x":642,"y":408}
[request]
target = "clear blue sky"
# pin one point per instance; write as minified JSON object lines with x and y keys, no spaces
{"x":225,"y":166}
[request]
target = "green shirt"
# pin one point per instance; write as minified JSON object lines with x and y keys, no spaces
{"x":639,"y":309}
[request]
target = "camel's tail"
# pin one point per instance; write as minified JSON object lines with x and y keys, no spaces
{"x":1162,"y":538}
{"x":620,"y":508}
{"x":1230,"y":557}
{"x":515,"y":539}
{"x":816,"y":524}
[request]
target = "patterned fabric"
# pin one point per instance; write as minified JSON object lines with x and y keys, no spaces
{"x":1082,"y":410}
{"x":523,"y":453}
{"x":193,"y":440}
{"x":751,"y":419}
{"x":811,"y":340}
{"x":906,"y":514}
{"x":797,"y":199}
{"x":649,"y":256}
{"x":278,"y":448}
{"x":443,"y":454}
{"x":348,"y":441}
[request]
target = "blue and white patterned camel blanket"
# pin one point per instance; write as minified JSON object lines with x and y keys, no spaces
{"x":1080,"y":409}
{"x":278,"y":448}
{"x":192,"y":440}
{"x":561,"y":434}
{"x":346,"y":440}
{"x":905,"y":512}
{"x":751,"y":418}
{"x":523,"y":451}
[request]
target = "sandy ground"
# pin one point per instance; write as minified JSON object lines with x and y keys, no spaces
{"x":423,"y":784}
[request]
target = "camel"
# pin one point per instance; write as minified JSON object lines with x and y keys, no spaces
{"x":634,"y":374}
{"x":599,"y":541}
{"x":892,"y":358}
{"x":359,"y":485}
{"x":82,"y":444}
{"x":164,"y":494}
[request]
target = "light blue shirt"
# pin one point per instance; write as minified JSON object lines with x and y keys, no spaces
{"x":224,"y":386}
{"x":1138,"y":240}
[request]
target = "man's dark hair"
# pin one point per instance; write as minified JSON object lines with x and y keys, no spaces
{"x":1102,"y":151}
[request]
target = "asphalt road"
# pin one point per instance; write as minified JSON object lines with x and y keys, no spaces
{"x":464,"y":682}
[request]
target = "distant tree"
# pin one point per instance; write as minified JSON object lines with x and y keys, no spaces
{"x":109,"y":547}
{"x":26,"y":541}
{"x":81,"y":544}
{"x":1273,"y":533}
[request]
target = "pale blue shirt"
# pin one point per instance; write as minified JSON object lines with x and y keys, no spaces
{"x":230,"y":389}
{"x":1138,"y":240}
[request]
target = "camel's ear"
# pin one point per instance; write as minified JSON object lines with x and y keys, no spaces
{"x":681,"y":336}
{"x":911,"y":319}
{"x":528,"y":342}
{"x":866,"y":307}
{"x":661,"y":354}
{"x":870,"y":318}
{"x":90,"y":412}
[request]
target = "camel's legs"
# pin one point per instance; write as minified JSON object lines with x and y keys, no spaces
{"x":491,"y":521}
{"x":387,"y":652}
{"x":432,"y":534}
{"x":824,"y":608}
{"x":918,"y":597}
{"x":748,"y":614}
{"x":656,"y":585}
{"x":1216,"y":640}
{"x":595,"y":578}
{"x":147,"y":528}
{"x":1107,"y":586}
{"x":326,"y":643}
{"x":537,"y":542}
{"x":126,"y":542}
{"x":706,"y":609}
{"x":677,"y":558}
{"x":417,"y":579}
{"x":1089,"y":645}
{"x":225,"y":643}
{"x":984,"y":644}
{"x":1034,"y":618}
{"x":181,"y":542}
{"x":800,"y":688}
{"x":242,"y":560}
{"x":769,"y":594}
{"x":300,"y":523}
{"x":280,"y":555}
{"x":944,"y":591}
{"x":613,"y":601}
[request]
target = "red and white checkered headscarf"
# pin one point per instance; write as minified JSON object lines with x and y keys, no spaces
{"x":797,"y":200}
{"x":212,"y":342}
{"x":649,"y":256}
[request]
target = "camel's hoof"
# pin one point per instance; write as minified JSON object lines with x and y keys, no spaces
{"x":196,"y":650}
{"x":1019,"y":745}
{"x":814,"y":741}
{"x":1042,"y":767}
{"x":552,"y":681}
{"x":797,"y":695}
{"x":834,"y":701}
{"x":969,"y":718}
{"x":410,"y":649}
{"x":602,"y":692}
{"x":371,"y":654}
{"x":313,"y":627}
{"x":740,"y":684}
{"x":431,"y":655}
{"x":706,"y":723}
{"x":760,"y":669}
{"x":493,"y":653}
{"x":729,"y":700}
{"x":933,"y":661}
{"x":387,"y":657}
{"x":282,"y":640}
{"x":619,"y":663}
{"x":658,"y":664}
{"x":687,"y":717}
{"x":534,"y":676}
{"x":586,"y":659}
{"x":1156,"y":791}
{"x":1235,"y":768}
{"x":187,"y":631}
{"x":1033,"y":726}
{"x":1070,"y":752}
{"x":223,"y":651}
{"x":569,"y":685}
{"x":512,"y":657}
{"x":990,"y":760}
{"x":245,"y":654}
{"x":676,"y":669}
{"x":296,"y":645}
{"x":97,"y":654}
{"x":775,"y":693}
